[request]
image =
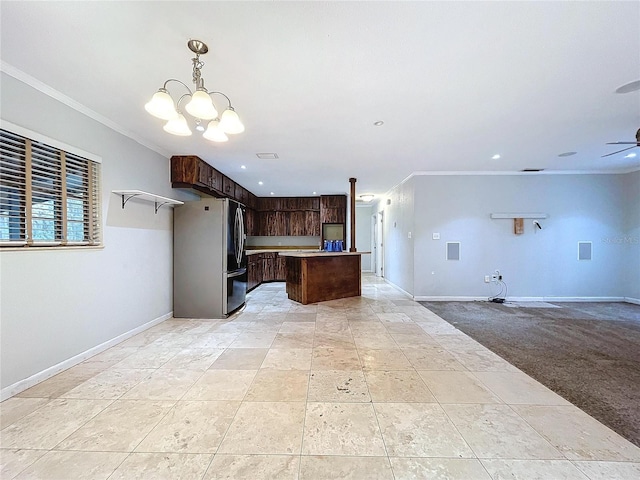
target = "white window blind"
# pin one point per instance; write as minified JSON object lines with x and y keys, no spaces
{"x":48,"y":197}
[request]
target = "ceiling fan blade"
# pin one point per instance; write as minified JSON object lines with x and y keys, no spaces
{"x":623,"y":150}
{"x":622,"y":143}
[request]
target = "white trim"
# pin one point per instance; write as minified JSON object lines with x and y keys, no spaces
{"x":453,"y":298}
{"x":543,"y":172}
{"x":68,"y":101}
{"x":635,"y":301}
{"x":583,"y":299}
{"x":398,"y":288}
{"x":25,"y":132}
{"x":29,"y":382}
{"x":421,"y":173}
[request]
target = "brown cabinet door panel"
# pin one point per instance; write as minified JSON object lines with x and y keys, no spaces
{"x":184,"y":169}
{"x":250,"y":216}
{"x":216,"y":180}
{"x":240,"y":194}
{"x":296,"y":223}
{"x":228,"y":187}
{"x":273,"y":224}
{"x":281,"y":269}
{"x":312,"y":223}
{"x":333,"y":209}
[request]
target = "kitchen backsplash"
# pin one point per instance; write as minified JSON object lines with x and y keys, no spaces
{"x":273,"y":241}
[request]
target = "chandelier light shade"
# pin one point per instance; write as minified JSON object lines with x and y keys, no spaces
{"x":230,"y":122}
{"x":199,"y":105}
{"x":178,"y":126}
{"x":214,"y":132}
{"x":161,"y":106}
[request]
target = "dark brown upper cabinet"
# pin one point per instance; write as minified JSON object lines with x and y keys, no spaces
{"x":333,"y":209}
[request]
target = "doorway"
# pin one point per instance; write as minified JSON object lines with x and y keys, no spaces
{"x":379,"y":244}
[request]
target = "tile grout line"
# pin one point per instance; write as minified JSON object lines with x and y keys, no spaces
{"x":375,"y":413}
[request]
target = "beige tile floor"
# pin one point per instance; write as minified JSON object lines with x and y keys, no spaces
{"x":375,"y":387}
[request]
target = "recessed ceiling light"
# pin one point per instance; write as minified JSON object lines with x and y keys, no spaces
{"x":630,"y":155}
{"x":379,"y":123}
{"x":243,"y":167}
{"x":629,"y":87}
{"x":567,"y":154}
{"x":495,"y":157}
{"x":271,"y":193}
{"x":366,"y":198}
{"x":260,"y":182}
{"x":267,"y":156}
{"x":314,"y":193}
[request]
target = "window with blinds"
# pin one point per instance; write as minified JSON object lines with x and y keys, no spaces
{"x":48,"y":197}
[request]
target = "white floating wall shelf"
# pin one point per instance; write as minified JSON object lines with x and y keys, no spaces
{"x":519,"y":215}
{"x":157,"y":200}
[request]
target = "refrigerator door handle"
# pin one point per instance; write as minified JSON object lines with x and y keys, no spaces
{"x":242,"y":236}
{"x":238,"y":236}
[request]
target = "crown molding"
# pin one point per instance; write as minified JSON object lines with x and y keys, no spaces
{"x":507,"y":173}
{"x":77,"y":106}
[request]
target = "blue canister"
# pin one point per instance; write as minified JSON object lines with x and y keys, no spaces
{"x":338,"y":246}
{"x":328,"y":245}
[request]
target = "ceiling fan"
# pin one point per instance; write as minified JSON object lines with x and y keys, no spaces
{"x":634,"y":145}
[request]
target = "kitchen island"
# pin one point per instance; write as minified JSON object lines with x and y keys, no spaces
{"x":320,"y":276}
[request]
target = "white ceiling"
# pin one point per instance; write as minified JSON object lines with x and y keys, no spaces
{"x":454,"y":82}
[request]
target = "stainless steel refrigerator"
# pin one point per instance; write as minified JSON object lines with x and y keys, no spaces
{"x":209,"y":258}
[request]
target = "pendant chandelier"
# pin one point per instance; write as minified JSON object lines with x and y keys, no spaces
{"x":199,"y":105}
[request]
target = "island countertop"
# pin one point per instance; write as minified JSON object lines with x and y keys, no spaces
{"x":310,"y":254}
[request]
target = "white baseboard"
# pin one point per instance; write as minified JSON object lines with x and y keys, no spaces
{"x":452,"y":298}
{"x":398,"y":288}
{"x":444,"y":298}
{"x":29,"y":382}
{"x":583,"y":299}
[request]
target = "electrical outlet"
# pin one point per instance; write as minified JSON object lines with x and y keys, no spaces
{"x":487,"y":279}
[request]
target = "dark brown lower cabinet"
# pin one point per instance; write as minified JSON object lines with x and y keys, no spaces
{"x":254,"y":271}
{"x":265,"y":267}
{"x":281,"y":269}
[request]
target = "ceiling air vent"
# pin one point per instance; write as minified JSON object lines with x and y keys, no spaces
{"x":267,"y":156}
{"x":532,"y":170}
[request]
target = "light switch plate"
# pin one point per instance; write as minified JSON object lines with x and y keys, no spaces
{"x":435,"y":236}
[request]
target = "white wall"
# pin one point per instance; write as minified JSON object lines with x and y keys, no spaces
{"x":398,"y":225}
{"x":539,"y":263}
{"x":56,"y":304}
{"x":363,"y":234}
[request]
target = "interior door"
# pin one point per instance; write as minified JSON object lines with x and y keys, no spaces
{"x":374,"y":243}
{"x":380,"y":245}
